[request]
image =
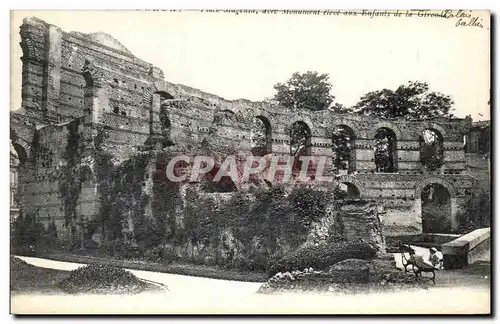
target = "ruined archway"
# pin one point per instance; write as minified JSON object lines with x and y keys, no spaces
{"x":431,"y":149}
{"x":18,"y":158}
{"x":350,"y":190}
{"x":300,"y":139}
{"x":436,"y":209}
{"x":159,"y":120}
{"x":385,"y":150}
{"x":166,"y":126}
{"x":261,"y":136}
{"x":343,"y":144}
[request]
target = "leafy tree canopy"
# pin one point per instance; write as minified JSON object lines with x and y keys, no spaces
{"x":411,"y":100}
{"x":309,"y":90}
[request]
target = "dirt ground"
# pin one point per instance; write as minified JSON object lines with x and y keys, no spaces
{"x":456,"y":292}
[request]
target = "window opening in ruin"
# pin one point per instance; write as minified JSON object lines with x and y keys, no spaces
{"x":300,"y":139}
{"x":116,"y":110}
{"x":124,"y":113}
{"x":436,"y":209}
{"x":349,"y":190}
{"x":17,"y":160}
{"x":343,"y":149}
{"x":260,"y":136}
{"x":225,"y":184}
{"x":385,"y":150}
{"x":431,"y":149}
{"x":166,"y":126}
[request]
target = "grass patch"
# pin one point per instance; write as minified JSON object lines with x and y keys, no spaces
{"x":28,"y":279}
{"x":186,"y":269}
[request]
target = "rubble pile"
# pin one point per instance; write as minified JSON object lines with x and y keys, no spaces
{"x":348,"y":276}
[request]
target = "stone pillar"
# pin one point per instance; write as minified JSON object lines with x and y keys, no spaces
{"x":365,"y":156}
{"x":32,"y":34}
{"x":51,"y":86}
{"x":353,"y":157}
{"x":96,"y":95}
{"x":417,"y":212}
{"x":155,"y":138}
{"x":454,"y":211}
{"x":408,"y":156}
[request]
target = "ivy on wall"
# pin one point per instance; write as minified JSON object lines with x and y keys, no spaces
{"x":262,"y":221}
{"x":70,"y":185}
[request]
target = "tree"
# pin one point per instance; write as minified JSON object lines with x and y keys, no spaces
{"x":384,"y":150}
{"x":475,"y":212}
{"x":412,"y":100}
{"x":431,"y":150}
{"x":340,"y":109}
{"x":341,"y":149}
{"x":309,"y":90}
{"x":300,"y":138}
{"x":259,"y":137}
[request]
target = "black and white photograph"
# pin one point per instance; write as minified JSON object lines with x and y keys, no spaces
{"x":241,"y":161}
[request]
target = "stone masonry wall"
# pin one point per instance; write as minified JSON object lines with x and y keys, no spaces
{"x":94,"y":79}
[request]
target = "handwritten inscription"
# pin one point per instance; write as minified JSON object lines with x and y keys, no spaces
{"x":460,"y":18}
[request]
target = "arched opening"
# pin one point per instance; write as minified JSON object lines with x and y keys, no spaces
{"x":261,"y":136}
{"x":436,"y":209}
{"x":160,"y":99}
{"x":385,"y":150}
{"x":225,"y":184}
{"x":431,"y":149}
{"x":300,"y":139}
{"x":166,"y":126}
{"x":20,"y":152}
{"x":343,"y":141}
{"x":14,"y":180}
{"x":349,"y":190}
{"x":18,"y":157}
{"x":225,"y":117}
{"x":164,"y":96}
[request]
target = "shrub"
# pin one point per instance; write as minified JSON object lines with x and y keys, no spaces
{"x":475,"y":212}
{"x":436,"y":218}
{"x":29,"y":235}
{"x":90,"y":244}
{"x":101,"y":278}
{"x":168,"y":254}
{"x":128,"y":251}
{"x":322,"y":256}
{"x":153,"y":254}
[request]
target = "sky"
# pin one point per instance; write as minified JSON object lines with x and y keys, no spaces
{"x":243,"y":55}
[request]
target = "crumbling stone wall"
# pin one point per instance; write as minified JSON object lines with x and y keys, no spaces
{"x":124,"y":106}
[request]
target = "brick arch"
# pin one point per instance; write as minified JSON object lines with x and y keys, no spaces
{"x":352,"y":180}
{"x":346,"y":124}
{"x":248,"y":114}
{"x":432,"y":126}
{"x":159,"y":86}
{"x":306,"y":120}
{"x":20,"y":142}
{"x":388,"y":125}
{"x":432,"y":180}
{"x":94,"y":74}
{"x":22,"y":149}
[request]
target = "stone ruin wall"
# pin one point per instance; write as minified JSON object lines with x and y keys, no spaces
{"x":96,"y":80}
